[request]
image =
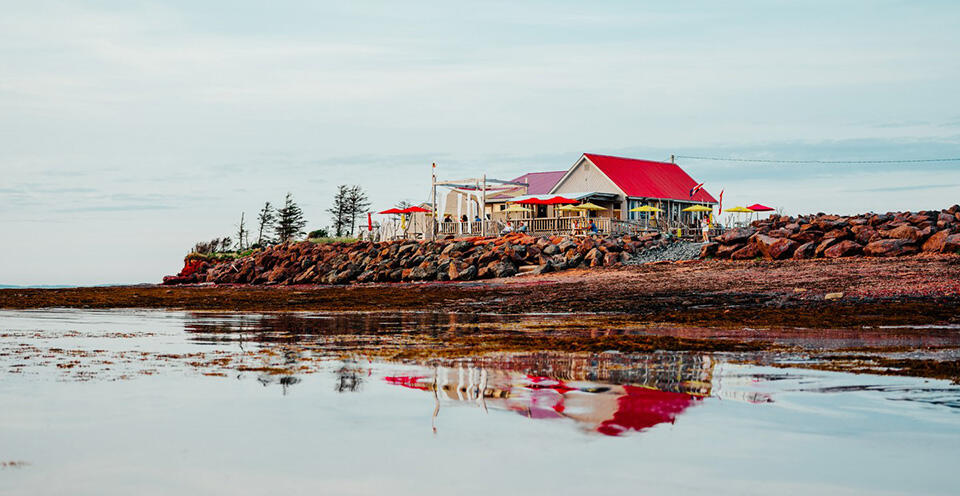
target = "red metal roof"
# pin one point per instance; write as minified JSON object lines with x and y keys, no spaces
{"x":648,"y":179}
{"x":540,"y":182}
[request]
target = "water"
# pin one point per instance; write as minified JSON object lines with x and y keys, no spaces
{"x":157,"y":402}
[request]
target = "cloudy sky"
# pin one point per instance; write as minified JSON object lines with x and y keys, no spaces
{"x":132,"y":129}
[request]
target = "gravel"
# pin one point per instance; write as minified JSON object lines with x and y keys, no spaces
{"x":680,"y":250}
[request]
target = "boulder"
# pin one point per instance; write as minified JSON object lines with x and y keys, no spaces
{"x":775,"y":248}
{"x":505,"y":269}
{"x":934,"y":243}
{"x":725,"y":251}
{"x":823,"y":245}
{"x":845,"y":248}
{"x":902,"y":232}
{"x":804,"y":251}
{"x":708,"y":250}
{"x":748,"y":252}
{"x":893,"y":247}
{"x":735,"y":236}
{"x":951,"y":244}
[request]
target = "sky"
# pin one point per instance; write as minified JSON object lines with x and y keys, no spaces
{"x":132,"y":129}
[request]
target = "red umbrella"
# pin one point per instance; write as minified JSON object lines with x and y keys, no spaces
{"x":557,"y":200}
{"x":413,"y":210}
{"x":531,"y":201}
{"x":756,"y":207}
{"x":391,"y":211}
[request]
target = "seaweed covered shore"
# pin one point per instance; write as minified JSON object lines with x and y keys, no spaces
{"x":916,"y":290}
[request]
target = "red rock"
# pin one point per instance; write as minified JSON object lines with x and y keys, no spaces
{"x":902,"y":232}
{"x":822,"y":247}
{"x":934,"y":243}
{"x":708,"y":250}
{"x":775,"y":248}
{"x":734,"y":236}
{"x":746,"y":253}
{"x":890,"y":248}
{"x":805,"y":251}
{"x":845,"y":248}
{"x":951,"y":244}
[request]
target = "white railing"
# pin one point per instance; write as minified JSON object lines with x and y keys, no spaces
{"x":544,"y":225}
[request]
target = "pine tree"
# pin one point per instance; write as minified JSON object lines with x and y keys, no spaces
{"x":357,"y":205}
{"x":290,"y":221}
{"x":339,"y":212}
{"x":266,"y":218}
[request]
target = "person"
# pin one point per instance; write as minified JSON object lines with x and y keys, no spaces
{"x":463,"y":218}
{"x":477,"y":218}
{"x":706,"y":230}
{"x":522,"y":227}
{"x":507,"y":229}
{"x":592,"y":227}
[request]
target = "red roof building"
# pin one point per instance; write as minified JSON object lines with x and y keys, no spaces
{"x":621,"y":184}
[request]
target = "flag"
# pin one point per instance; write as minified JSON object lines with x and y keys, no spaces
{"x":695,"y":189}
{"x":720,"y":203}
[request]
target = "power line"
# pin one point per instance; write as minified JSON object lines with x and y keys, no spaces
{"x":772,"y":161}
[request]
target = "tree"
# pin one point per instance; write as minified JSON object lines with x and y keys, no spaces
{"x":339,"y":212}
{"x":266,"y":218}
{"x":357,"y":205}
{"x":242,"y":234}
{"x":290,"y":221}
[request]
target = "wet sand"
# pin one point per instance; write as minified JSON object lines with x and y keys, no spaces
{"x":902,"y":291}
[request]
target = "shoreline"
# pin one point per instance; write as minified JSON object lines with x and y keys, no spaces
{"x":918,"y":290}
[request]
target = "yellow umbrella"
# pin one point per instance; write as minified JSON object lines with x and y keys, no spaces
{"x":699,"y":208}
{"x":739,"y":210}
{"x":569,"y":208}
{"x":516,"y":208}
{"x":648,"y":209}
{"x":590,"y":206}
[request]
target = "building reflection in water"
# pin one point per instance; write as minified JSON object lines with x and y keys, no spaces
{"x":608,"y":395}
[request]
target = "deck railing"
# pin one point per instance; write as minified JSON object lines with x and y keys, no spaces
{"x":543,"y":225}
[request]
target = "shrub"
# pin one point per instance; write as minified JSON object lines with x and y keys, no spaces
{"x":319,"y":233}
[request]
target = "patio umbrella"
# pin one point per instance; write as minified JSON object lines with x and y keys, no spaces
{"x":647,"y":209}
{"x":391,"y":211}
{"x":531,"y":201}
{"x":413,"y":210}
{"x":739,"y":210}
{"x":557,"y":200}
{"x":590,"y":206}
{"x":698,"y":208}
{"x":570,"y":208}
{"x":756,"y":207}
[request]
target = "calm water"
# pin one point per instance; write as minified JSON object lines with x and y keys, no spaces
{"x":155,"y":402}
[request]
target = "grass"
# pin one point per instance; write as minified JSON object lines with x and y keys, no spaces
{"x":220,"y":256}
{"x":332,"y":240}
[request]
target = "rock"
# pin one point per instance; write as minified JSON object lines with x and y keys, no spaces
{"x":708,"y":250}
{"x":934,"y":243}
{"x":833,"y":296}
{"x":551,"y":249}
{"x":611,"y":258}
{"x":775,"y":248}
{"x":748,"y":252}
{"x":822,"y":247}
{"x":735,"y":236}
{"x":725,"y":251}
{"x":889,"y":248}
{"x":543,"y":269}
{"x":505,"y":269}
{"x":902,"y":232}
{"x":951,"y":244}
{"x":845,"y":248}
{"x":805,"y":251}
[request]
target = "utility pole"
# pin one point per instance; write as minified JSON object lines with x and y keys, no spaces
{"x":672,"y":159}
{"x":433,"y":184}
{"x":483,"y":208}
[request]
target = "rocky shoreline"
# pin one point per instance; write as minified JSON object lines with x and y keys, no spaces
{"x":465,"y":259}
{"x":830,"y":236}
{"x":462,"y":259}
